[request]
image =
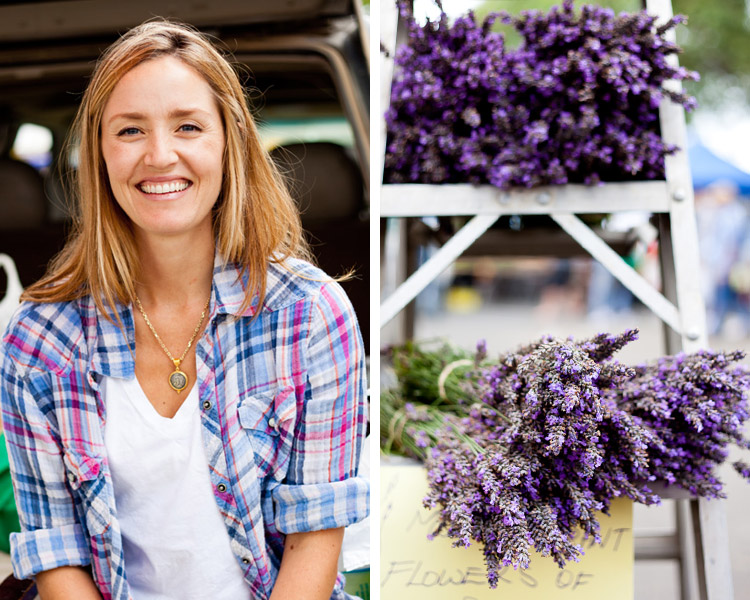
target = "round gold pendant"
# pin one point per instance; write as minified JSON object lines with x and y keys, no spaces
{"x":178,"y":380}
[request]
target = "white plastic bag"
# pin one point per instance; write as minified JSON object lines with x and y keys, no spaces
{"x":9,"y":303}
{"x":355,"y":552}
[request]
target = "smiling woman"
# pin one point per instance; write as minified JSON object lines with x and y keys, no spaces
{"x":240,"y":486}
{"x":163,"y":145}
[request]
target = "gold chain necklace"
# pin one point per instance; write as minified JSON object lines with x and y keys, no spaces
{"x":178,"y":379}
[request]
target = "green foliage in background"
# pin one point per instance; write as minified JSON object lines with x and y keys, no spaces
{"x":716,"y":41}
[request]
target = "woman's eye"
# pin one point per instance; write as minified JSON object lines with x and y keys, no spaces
{"x":189,"y":127}
{"x":129,"y":131}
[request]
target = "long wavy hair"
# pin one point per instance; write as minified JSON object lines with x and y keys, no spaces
{"x":255,"y":220}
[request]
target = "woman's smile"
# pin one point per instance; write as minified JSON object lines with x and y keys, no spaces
{"x":164,"y":189}
{"x":163,"y":145}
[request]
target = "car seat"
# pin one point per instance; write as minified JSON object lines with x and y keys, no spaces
{"x":22,"y":200}
{"x":26,"y":234}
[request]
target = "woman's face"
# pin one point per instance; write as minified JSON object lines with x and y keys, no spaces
{"x":163,"y":145}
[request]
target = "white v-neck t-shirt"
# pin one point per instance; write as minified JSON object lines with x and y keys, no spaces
{"x":175,"y":542}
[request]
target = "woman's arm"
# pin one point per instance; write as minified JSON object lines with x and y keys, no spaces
{"x":66,"y":583}
{"x":308,"y":567}
{"x":51,"y":534}
{"x":321,"y":493}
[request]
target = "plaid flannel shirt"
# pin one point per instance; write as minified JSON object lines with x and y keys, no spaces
{"x":283,"y":414}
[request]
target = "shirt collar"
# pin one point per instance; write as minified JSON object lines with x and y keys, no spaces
{"x":287,"y":282}
{"x":228,"y":291}
{"x":113,"y":347}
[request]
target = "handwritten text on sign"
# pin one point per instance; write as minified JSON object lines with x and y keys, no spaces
{"x":419,"y":569}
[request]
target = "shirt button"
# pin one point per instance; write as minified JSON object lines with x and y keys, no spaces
{"x":221,"y":487}
{"x":71,"y":477}
{"x":206,"y":405}
{"x":246,"y":561}
{"x":272,"y":422}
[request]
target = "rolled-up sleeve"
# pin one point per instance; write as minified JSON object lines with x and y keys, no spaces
{"x":322,"y":489}
{"x":51,"y":534}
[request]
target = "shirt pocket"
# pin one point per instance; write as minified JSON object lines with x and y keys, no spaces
{"x":86,"y":479}
{"x":268,"y":419}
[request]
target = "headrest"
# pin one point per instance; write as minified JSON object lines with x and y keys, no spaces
{"x":23,"y":204}
{"x":323,"y":178}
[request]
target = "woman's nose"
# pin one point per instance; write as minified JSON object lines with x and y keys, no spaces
{"x":160,"y":151}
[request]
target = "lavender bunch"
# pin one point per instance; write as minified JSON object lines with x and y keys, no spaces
{"x":444,"y":79}
{"x":696,"y":406}
{"x":554,"y":451}
{"x":434,"y":387}
{"x":597,"y":80}
{"x":411,"y":429}
{"x":577,"y":102}
{"x":523,"y":451}
{"x":420,"y":372}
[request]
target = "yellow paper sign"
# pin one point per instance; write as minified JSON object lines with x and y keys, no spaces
{"x":416,"y":568}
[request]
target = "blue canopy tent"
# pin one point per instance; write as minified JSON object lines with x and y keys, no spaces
{"x":708,"y":168}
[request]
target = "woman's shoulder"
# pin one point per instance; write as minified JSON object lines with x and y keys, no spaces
{"x":295,"y":279}
{"x":43,"y":335}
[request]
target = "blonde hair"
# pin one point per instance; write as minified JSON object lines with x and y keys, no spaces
{"x":255,"y":220}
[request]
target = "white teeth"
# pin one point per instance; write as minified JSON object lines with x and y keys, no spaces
{"x":166,"y":188}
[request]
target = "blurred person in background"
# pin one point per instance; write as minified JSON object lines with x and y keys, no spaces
{"x":723,"y":228}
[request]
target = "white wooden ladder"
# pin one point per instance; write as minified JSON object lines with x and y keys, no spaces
{"x":700,"y":542}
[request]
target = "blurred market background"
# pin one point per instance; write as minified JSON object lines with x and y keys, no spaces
{"x":502,"y":291}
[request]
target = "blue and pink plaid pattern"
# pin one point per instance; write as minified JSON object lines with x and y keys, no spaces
{"x":283,"y":411}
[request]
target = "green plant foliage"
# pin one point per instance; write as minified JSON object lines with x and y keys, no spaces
{"x":716,"y":43}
